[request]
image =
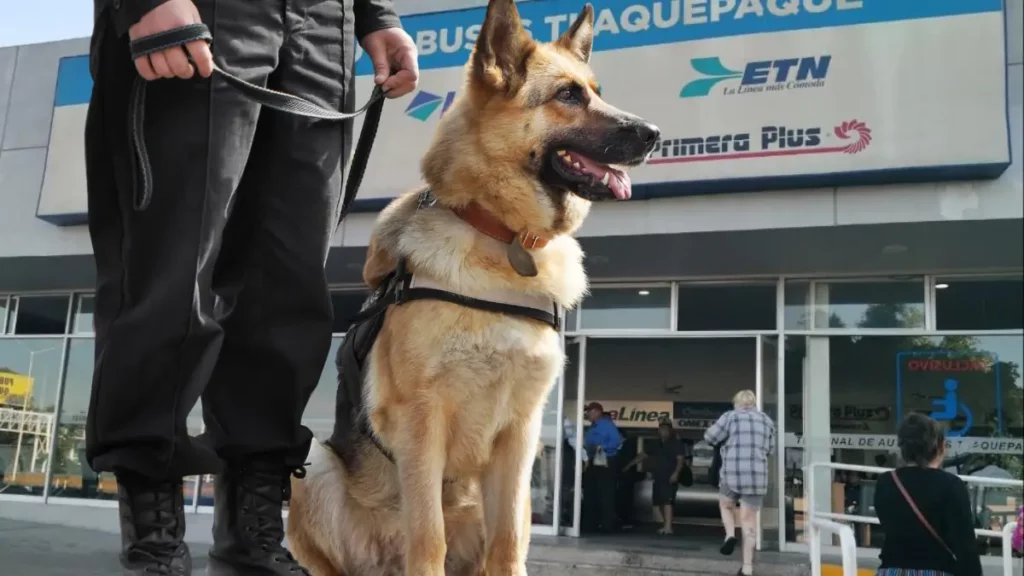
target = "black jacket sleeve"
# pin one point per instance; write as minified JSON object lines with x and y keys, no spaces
{"x":961,"y":521}
{"x":126,"y":13}
{"x":374,"y":15}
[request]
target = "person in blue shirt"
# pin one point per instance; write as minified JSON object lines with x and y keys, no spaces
{"x":602,"y":442}
{"x":602,"y":431}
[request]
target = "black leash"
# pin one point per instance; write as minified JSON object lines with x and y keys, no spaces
{"x":142,"y":170}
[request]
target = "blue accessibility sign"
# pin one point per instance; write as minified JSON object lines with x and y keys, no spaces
{"x":941,"y":377}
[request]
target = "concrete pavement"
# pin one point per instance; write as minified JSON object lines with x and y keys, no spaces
{"x":63,"y":540}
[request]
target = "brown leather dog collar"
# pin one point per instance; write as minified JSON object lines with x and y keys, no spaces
{"x":486,"y":223}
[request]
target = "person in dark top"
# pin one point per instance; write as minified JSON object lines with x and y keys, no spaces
{"x":666,"y":465}
{"x":943,"y":503}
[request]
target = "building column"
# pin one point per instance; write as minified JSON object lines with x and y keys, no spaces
{"x":817,"y":405}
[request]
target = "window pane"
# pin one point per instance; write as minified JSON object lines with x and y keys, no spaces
{"x":569,"y":439}
{"x":797,"y":311}
{"x":346,"y":306}
{"x":42,"y":314}
{"x":29,"y":374}
{"x":972,"y":385}
{"x":319,"y":414}
{"x":726,"y":307}
{"x":545,"y":467}
{"x":979,"y":303}
{"x":84,"y":314}
{"x":72,"y":475}
{"x":856,"y":304}
{"x":3,"y":314}
{"x":636,"y":308}
{"x":570,"y":320}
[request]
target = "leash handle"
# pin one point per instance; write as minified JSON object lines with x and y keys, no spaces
{"x":281,"y":101}
{"x":273,"y":99}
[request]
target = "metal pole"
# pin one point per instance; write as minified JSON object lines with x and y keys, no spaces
{"x":556,"y":500}
{"x":581,"y":391}
{"x":759,"y":388}
{"x":24,"y":413}
{"x":53,"y":422}
{"x":780,"y":412}
{"x":1008,"y":548}
{"x":813,"y":539}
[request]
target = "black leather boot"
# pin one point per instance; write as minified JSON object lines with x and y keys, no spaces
{"x":248,"y":530}
{"x":152,"y":527}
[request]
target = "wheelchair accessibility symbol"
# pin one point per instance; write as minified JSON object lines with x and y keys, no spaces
{"x":941,"y":383}
{"x":950,"y":407}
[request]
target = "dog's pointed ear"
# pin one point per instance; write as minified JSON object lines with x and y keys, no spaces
{"x":579,"y":38}
{"x":501,"y":47}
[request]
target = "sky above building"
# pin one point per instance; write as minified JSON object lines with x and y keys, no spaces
{"x":38,"y":21}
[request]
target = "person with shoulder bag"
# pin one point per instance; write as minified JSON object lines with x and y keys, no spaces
{"x":925,"y":511}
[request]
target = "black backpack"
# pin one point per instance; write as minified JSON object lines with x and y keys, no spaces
{"x":715,"y":471}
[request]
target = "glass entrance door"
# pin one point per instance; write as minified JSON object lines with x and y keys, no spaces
{"x":777,"y":510}
{"x":641,"y":381}
{"x":546,"y":501}
{"x":570,"y":476}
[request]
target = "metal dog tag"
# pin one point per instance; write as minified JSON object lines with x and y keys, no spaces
{"x":521,"y":260}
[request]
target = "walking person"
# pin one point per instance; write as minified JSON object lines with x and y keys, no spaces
{"x":925,"y":512}
{"x":210,"y":268}
{"x":666,"y":466}
{"x":746,"y":437}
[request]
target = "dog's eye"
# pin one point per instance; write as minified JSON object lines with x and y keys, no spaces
{"x":570,"y":95}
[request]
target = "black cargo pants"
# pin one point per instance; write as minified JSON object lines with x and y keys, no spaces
{"x":217,"y":289}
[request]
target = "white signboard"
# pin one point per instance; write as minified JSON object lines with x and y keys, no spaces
{"x":749,"y":94}
{"x":628,"y":413}
{"x":755,"y":94}
{"x":887,"y":442}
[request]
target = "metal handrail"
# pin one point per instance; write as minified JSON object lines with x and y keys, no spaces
{"x":847,"y":543}
{"x":996,"y":482}
{"x":1007,"y":536}
{"x":815,"y":543}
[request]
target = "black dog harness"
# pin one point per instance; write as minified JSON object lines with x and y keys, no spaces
{"x":351,"y":422}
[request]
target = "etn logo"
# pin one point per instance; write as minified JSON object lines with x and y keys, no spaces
{"x":759,"y":76}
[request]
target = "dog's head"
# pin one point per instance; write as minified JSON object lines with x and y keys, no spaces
{"x":530,"y":138}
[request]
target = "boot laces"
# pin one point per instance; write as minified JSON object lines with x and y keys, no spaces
{"x":264,"y":495}
{"x":154,"y":514}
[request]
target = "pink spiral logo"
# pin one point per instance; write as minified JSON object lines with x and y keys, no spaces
{"x":846,"y":131}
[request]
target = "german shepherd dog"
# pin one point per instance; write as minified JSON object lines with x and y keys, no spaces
{"x":453,"y":396}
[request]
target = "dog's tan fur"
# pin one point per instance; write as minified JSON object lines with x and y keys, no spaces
{"x":456,"y":392}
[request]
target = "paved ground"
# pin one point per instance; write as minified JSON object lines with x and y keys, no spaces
{"x":57,"y":540}
{"x":34,"y":549}
{"x":28,"y":549}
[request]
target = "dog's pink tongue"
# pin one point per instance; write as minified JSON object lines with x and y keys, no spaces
{"x":621,"y":185}
{"x":618,"y":181}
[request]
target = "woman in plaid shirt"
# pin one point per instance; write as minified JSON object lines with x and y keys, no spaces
{"x":746,"y":437}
